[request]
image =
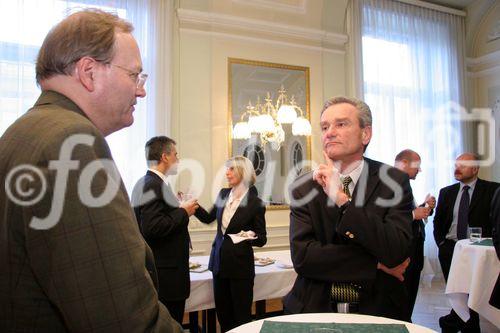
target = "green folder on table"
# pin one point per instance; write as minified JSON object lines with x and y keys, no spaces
{"x":484,"y":242}
{"x":289,"y":327}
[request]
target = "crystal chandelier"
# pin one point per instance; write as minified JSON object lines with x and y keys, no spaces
{"x":266,"y":120}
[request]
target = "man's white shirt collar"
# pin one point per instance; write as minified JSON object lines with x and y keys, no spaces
{"x":354,"y":174}
{"x":159,"y":174}
{"x":472,"y":185}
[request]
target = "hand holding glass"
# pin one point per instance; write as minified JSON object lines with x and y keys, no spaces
{"x":183,"y":197}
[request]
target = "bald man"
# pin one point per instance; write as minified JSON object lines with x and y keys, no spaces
{"x":462,"y":205}
{"x":409,"y":162}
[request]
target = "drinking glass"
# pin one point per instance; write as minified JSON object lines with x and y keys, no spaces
{"x":183,"y":197}
{"x":475,"y":234}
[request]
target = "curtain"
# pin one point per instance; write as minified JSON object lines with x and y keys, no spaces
{"x":23,"y":26}
{"x":413,"y":79}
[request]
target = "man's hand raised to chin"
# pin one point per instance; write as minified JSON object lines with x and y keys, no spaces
{"x":328,"y":176}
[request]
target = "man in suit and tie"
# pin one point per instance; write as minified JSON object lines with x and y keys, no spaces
{"x":495,"y":222}
{"x":409,"y":162}
{"x":164,"y":223}
{"x":71,"y":256}
{"x":462,"y":205}
{"x":350,"y":223}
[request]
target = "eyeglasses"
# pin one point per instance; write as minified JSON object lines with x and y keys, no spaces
{"x":140,"y":78}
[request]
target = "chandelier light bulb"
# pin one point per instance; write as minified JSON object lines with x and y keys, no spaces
{"x":242,"y":131}
{"x":253,"y":124}
{"x":301,"y":126}
{"x":286,"y":114}
{"x":266,"y":123}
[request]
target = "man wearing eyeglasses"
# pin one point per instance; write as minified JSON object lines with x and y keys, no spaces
{"x":71,"y":254}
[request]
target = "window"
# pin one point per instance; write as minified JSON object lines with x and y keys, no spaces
{"x":23,"y":26}
{"x":411,"y":81}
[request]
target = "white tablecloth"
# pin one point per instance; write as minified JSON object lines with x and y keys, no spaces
{"x":270,"y":281}
{"x":473,"y":273}
{"x":255,"y":326}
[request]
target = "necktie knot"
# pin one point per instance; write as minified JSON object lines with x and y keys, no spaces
{"x":466,"y":188}
{"x":345,"y":185}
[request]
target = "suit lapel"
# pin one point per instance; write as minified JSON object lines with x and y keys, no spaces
{"x":221,"y":203}
{"x":331,"y":215}
{"x":453,"y":197}
{"x":369,"y":177}
{"x":242,"y":208}
{"x":477,"y":194}
{"x":166,"y":191}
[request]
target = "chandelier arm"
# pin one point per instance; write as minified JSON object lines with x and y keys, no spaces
{"x":243,"y":116}
{"x":300,"y":109}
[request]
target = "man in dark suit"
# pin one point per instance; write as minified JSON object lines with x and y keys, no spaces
{"x":342,"y":244}
{"x":73,"y":260}
{"x":495,"y":222}
{"x":409,"y":162}
{"x":164,"y":222}
{"x":462,"y":205}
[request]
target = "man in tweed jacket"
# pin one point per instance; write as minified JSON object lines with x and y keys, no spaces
{"x":71,"y":254}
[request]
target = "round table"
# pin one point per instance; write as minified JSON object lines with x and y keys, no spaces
{"x":473,"y":273}
{"x":255,"y":326}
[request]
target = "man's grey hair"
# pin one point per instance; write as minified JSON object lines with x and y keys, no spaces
{"x":364,"y":115}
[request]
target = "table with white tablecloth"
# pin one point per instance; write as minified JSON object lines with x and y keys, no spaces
{"x":473,"y":273}
{"x":271,"y":281}
{"x":255,"y":326}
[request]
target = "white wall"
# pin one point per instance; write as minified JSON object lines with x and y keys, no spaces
{"x":483,"y":66}
{"x":210,"y":32}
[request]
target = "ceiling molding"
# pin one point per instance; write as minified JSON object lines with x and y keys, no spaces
{"x":261,"y":40}
{"x":486,"y":65}
{"x":433,"y":6}
{"x":270,"y":4}
{"x":485,"y":72}
{"x":492,"y":58}
{"x":220,"y":23}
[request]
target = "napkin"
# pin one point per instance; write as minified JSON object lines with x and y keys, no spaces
{"x":484,"y":242}
{"x":241,"y":236}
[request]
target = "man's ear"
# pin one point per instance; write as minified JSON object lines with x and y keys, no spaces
{"x":85,"y":72}
{"x":366,"y":135}
{"x":164,"y":157}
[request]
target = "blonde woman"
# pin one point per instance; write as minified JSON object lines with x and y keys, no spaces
{"x":237,"y":209}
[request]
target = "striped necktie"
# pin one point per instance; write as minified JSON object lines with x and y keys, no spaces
{"x":345,"y":185}
{"x":345,"y":292}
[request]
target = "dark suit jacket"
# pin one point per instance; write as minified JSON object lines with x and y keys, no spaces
{"x":495,"y":221}
{"x":323,"y":253}
{"x":478,"y":210}
{"x":229,"y":260}
{"x":87,"y":272}
{"x":165,"y":229}
{"x":416,"y":251}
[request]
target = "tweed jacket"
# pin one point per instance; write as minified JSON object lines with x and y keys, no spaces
{"x":89,"y":270}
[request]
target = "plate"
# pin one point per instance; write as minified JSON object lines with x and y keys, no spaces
{"x":199,"y":269}
{"x":263,"y":261}
{"x":194,"y":265}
